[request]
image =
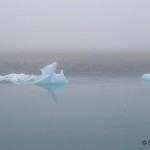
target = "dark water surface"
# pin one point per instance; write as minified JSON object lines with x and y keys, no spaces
{"x":78,"y":64}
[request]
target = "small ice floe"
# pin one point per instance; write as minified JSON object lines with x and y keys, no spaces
{"x":48,"y":76}
{"x":146,"y":77}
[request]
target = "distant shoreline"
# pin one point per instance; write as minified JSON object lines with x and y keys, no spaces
{"x":40,"y":56}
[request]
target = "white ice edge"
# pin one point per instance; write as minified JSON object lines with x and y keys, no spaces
{"x":48,"y":76}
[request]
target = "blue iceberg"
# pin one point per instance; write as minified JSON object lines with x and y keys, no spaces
{"x":146,"y":77}
{"x":48,"y":76}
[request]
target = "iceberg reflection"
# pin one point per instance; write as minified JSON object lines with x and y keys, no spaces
{"x":50,"y":91}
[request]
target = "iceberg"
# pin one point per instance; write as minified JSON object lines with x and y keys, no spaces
{"x":146,"y":77}
{"x":48,"y":76}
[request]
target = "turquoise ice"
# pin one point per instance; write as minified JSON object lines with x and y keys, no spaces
{"x":48,"y":76}
{"x":146,"y":77}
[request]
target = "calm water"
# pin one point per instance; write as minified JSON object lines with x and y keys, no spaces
{"x":105,"y":106}
{"x":87,"y":114}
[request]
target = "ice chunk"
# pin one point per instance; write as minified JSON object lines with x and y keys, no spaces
{"x":146,"y":77}
{"x":48,"y":76}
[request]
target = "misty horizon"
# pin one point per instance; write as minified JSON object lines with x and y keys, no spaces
{"x":60,"y":26}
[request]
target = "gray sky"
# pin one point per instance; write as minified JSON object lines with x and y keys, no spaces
{"x":49,"y":25}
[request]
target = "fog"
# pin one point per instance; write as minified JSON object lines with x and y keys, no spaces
{"x":74,"y":25}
